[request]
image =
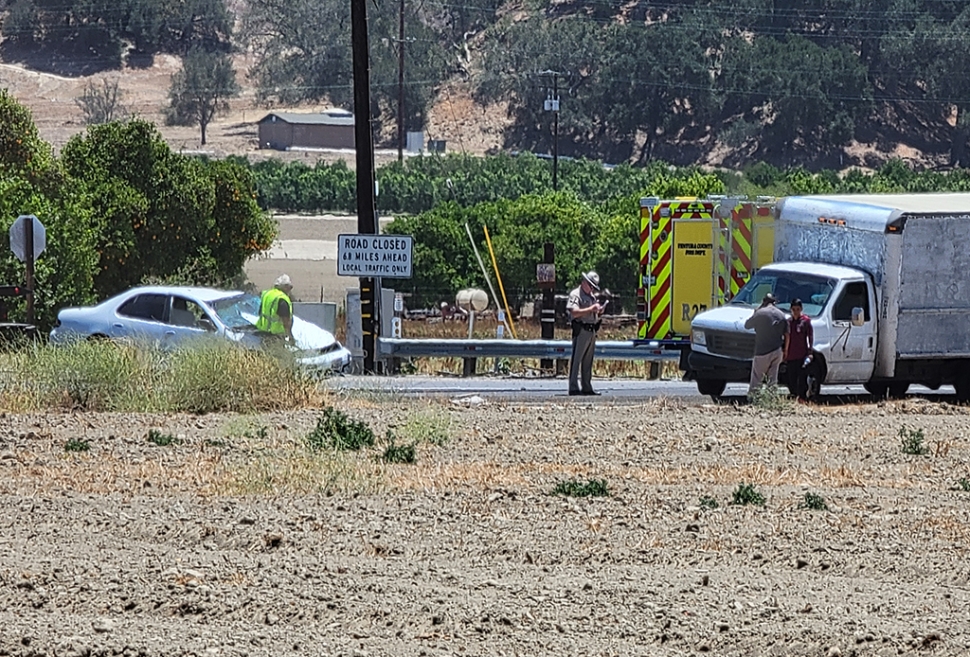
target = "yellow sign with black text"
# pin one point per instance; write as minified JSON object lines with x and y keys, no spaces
{"x":693,"y":252}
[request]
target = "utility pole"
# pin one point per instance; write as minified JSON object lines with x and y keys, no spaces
{"x":364,"y":148}
{"x":552,"y":105}
{"x":400,"y":84}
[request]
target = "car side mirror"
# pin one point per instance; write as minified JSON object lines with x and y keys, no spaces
{"x":206,"y":324}
{"x":858,"y":317}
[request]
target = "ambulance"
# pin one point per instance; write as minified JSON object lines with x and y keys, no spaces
{"x":696,"y":254}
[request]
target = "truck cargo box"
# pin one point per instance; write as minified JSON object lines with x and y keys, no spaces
{"x":916,"y":247}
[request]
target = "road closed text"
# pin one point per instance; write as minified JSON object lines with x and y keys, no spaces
{"x":385,"y":256}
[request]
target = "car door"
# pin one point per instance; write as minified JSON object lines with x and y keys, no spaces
{"x":852,"y":354}
{"x":187,"y":320}
{"x":141,"y":317}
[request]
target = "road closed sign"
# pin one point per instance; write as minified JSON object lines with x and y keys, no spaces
{"x":378,"y":256}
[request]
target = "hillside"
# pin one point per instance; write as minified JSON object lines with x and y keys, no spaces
{"x":821,"y":85}
{"x":51,"y":98}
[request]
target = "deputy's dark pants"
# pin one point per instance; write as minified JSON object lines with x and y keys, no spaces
{"x":581,"y":361}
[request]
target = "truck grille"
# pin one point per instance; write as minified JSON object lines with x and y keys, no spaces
{"x":730,"y":344}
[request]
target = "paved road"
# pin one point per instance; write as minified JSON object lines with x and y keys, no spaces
{"x":548,"y":389}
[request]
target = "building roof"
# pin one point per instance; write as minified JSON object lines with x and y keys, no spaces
{"x":326,"y":117}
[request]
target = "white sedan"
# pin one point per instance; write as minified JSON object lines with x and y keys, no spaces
{"x":169,"y":316}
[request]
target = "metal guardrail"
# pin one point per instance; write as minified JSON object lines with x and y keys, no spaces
{"x":494,"y":348}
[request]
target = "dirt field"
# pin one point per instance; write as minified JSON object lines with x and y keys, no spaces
{"x":239,"y":541}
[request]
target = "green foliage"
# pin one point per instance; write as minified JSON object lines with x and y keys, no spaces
{"x":156,"y":213}
{"x":911,"y":442}
{"x":336,"y":431}
{"x":576,"y":488}
{"x":202,"y":89}
{"x":746,"y":494}
{"x":94,"y":34}
{"x":813,"y":502}
{"x":160,"y":439}
{"x":771,"y":398}
{"x":77,"y":445}
{"x":394,"y":453}
{"x":964,"y":484}
{"x":707,"y":502}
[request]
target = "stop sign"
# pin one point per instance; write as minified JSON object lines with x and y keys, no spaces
{"x":18,"y":237}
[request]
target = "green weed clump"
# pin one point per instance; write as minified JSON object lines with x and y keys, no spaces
{"x":77,"y":445}
{"x":103,"y":375}
{"x":707,"y":502}
{"x":911,"y":441}
{"x":395,"y":453}
{"x":575,"y":488}
{"x":162,"y":439}
{"x":813,"y":502}
{"x":771,"y":398}
{"x":746,"y":494}
{"x":964,"y":484}
{"x":336,"y":431}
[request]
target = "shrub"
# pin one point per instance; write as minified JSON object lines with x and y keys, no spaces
{"x":912,"y":441}
{"x":161,"y":439}
{"x":395,"y":453}
{"x":747,"y":494}
{"x":77,"y":445}
{"x":771,"y":398}
{"x":813,"y":502}
{"x":575,"y":488}
{"x":336,"y":431}
{"x":964,"y":484}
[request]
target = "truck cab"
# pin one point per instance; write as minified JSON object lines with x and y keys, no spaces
{"x":839,"y":301}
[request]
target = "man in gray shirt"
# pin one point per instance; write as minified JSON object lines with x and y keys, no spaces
{"x":770,"y":338}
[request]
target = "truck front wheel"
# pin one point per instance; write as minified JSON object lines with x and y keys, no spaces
{"x":712,"y":387}
{"x":898,"y":390}
{"x":877,"y":390}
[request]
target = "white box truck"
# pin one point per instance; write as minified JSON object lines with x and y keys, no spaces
{"x":885,"y":280}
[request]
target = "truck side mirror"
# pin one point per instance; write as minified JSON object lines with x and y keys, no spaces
{"x":858,"y":316}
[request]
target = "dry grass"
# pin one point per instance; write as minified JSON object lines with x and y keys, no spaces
{"x":107,"y":376}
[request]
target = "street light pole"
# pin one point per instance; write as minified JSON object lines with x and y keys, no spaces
{"x":552,"y":105}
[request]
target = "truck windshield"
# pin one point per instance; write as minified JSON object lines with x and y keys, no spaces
{"x":814,"y":291}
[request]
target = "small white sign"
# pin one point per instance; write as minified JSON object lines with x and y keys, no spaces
{"x":378,"y":256}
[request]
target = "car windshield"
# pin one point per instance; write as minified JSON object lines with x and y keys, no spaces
{"x":232,"y":311}
{"x":814,"y":291}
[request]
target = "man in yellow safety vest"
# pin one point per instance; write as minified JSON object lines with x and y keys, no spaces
{"x":276,"y":309}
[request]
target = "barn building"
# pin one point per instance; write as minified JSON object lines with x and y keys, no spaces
{"x":333,"y":128}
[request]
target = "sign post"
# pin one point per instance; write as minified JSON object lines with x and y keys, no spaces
{"x":546,"y":278}
{"x":28,"y":239}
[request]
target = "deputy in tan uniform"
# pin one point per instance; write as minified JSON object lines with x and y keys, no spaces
{"x":585,"y":311}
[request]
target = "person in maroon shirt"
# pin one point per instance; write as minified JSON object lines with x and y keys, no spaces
{"x":799,"y":351}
